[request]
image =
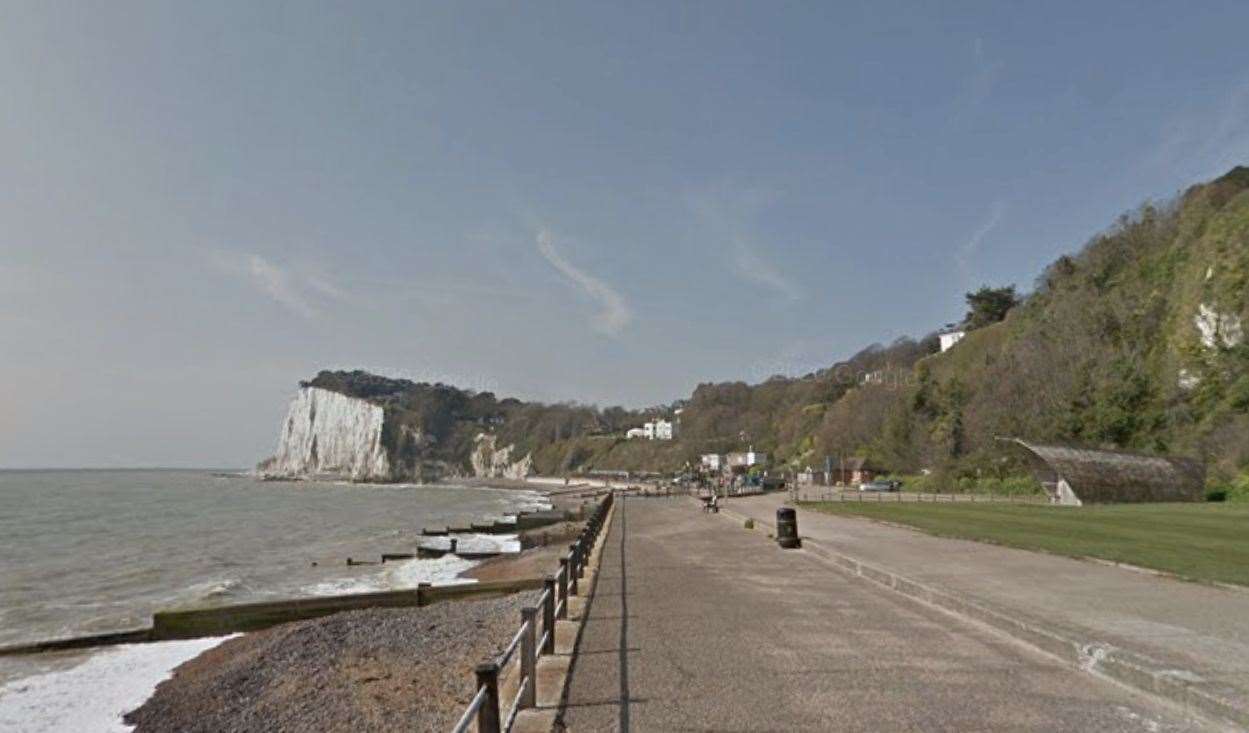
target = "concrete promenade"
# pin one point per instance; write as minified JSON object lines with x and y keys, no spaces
{"x":1192,"y":637}
{"x":699,"y":624}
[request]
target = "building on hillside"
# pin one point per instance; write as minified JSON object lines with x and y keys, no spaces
{"x":951,"y":337}
{"x":712,"y":462}
{"x":657,"y":429}
{"x":854,"y":471}
{"x":741,"y":462}
{"x":1076,"y":476}
{"x":810,"y":477}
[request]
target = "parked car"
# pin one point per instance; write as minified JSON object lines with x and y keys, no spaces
{"x":881,"y":485}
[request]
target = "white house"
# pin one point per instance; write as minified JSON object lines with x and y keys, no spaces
{"x":658,"y":429}
{"x":747,"y":459}
{"x":712,"y":461}
{"x":949,"y":338}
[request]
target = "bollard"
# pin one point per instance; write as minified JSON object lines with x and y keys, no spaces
{"x":787,"y":528}
{"x":529,"y":658}
{"x":548,"y":615}
{"x":488,"y":715}
{"x":563,"y":587}
{"x":422,"y":594}
{"x":454,"y":544}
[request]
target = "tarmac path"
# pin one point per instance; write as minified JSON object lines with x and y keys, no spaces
{"x":698,"y":624}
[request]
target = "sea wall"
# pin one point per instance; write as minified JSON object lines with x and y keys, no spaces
{"x":330,"y":435}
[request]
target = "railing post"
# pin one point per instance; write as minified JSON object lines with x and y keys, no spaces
{"x":488,"y":714}
{"x":548,"y":615}
{"x":529,"y":658}
{"x":573,"y":562}
{"x":563,"y":587}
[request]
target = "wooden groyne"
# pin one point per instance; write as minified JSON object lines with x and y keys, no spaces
{"x":523,"y":521}
{"x":196,"y":623}
{"x":134,"y":636}
{"x":222,"y":620}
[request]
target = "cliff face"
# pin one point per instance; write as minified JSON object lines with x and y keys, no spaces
{"x":491,"y":462}
{"x":330,"y":435}
{"x":344,"y":432}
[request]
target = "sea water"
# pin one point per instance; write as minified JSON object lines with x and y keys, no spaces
{"x":85,"y":552}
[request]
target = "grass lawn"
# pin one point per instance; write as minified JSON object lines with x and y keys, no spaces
{"x":1208,"y":541}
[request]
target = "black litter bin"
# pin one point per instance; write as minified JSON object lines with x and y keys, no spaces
{"x":787,"y":528}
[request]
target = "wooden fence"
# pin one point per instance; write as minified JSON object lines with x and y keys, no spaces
{"x":827,"y":493}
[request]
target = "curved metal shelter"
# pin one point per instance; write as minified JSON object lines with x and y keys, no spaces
{"x":1076,"y":476}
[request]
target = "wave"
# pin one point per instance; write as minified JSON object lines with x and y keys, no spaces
{"x":480,"y":543}
{"x":403,"y":575}
{"x":93,"y":695}
{"x":209,"y":592}
{"x":214,"y":588}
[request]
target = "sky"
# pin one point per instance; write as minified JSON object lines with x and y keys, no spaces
{"x":203,"y":203}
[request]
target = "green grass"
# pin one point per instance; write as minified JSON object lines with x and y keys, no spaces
{"x":1205,"y":542}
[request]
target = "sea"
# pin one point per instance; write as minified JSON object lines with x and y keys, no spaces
{"x":92,"y":551}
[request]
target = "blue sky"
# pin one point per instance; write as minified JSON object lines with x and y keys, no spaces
{"x":204,"y":203}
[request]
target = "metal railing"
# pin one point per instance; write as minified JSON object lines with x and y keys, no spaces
{"x":484,"y":708}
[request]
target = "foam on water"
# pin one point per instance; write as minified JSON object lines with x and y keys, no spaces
{"x":211,"y":588}
{"x":475,"y":543}
{"x":403,"y":575}
{"x":441,"y":571}
{"x":94,"y":695}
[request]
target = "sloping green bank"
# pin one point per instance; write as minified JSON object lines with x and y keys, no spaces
{"x":1204,"y":542}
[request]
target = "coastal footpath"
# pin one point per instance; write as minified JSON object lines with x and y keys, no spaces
{"x":699,"y":624}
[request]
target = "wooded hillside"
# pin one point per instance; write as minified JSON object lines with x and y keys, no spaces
{"x":1134,"y":342}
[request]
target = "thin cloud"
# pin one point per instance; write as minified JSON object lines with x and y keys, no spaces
{"x":997,"y":212}
{"x":750,"y":267}
{"x":978,"y":86}
{"x":727,"y":216}
{"x":326,"y":288}
{"x":298,"y":293}
{"x":277,"y":284}
{"x":614,"y":314}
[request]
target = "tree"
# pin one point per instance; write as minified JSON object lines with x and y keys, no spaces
{"x":989,"y":305}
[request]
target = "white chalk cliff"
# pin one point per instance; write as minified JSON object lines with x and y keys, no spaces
{"x":327,"y":434}
{"x":491,"y":462}
{"x":1218,"y":329}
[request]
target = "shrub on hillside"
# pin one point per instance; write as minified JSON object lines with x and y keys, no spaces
{"x":1235,"y":490}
